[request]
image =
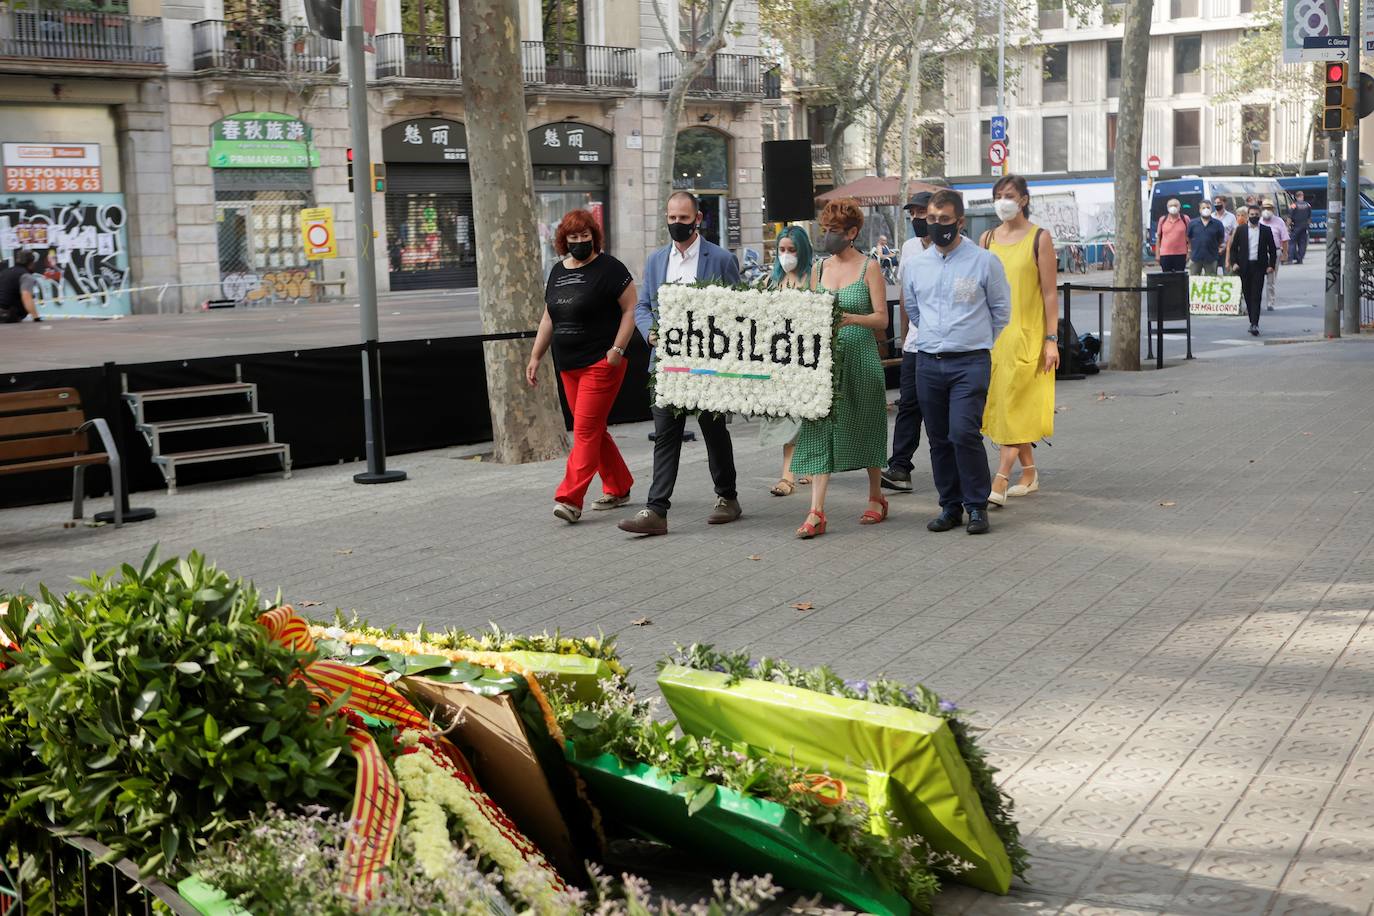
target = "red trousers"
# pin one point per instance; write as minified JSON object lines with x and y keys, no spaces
{"x":591,"y":392}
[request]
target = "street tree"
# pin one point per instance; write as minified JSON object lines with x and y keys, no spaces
{"x":1130,"y":119}
{"x":1252,"y":71}
{"x":526,"y":423}
{"x":694,"y":46}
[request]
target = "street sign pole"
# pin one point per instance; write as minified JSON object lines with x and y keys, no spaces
{"x":1352,"y":187}
{"x":374,"y":431}
{"x":1333,"y":240}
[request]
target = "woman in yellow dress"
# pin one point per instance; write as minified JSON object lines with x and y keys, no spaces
{"x":1020,"y":406}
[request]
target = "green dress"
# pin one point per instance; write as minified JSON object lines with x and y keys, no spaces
{"x":854,"y":435}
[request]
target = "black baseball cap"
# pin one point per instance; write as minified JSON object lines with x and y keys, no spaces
{"x":919,"y":199}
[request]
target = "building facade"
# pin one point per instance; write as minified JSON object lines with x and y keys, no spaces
{"x":203,"y":127}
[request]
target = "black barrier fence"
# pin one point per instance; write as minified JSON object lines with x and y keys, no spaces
{"x":1166,"y":302}
{"x":435,"y":390}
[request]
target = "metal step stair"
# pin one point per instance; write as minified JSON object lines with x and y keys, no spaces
{"x":168,"y":461}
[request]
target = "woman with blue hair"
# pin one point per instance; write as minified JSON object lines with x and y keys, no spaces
{"x":791,"y":270}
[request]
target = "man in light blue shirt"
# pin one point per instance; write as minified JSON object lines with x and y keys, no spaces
{"x":958,"y":301}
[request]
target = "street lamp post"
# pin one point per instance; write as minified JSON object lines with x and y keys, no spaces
{"x":1254,"y":157}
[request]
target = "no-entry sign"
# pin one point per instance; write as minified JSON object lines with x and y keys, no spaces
{"x":317,"y":233}
{"x":1153,"y":165}
{"x":997,"y":152}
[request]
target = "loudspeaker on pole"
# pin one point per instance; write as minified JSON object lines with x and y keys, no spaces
{"x":789,"y":189}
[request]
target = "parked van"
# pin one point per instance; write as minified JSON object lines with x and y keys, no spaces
{"x":1193,"y":191}
{"x":1313,"y":188}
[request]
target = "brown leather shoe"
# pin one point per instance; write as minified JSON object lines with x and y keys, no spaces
{"x":645,"y":521}
{"x":726,"y":511}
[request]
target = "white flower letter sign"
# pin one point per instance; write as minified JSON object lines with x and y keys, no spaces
{"x":760,"y":352}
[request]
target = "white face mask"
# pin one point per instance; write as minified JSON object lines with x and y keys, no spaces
{"x":1206,"y":212}
{"x":1173,"y":211}
{"x":1006,"y":209}
{"x":788,"y":260}
{"x":1267,"y":214}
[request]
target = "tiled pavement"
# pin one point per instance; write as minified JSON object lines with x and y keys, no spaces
{"x":1171,"y":644}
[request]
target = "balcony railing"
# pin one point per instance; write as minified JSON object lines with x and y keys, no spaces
{"x":820,"y":155}
{"x":80,"y":35}
{"x":261,"y":47}
{"x":420,"y":57}
{"x":550,"y":63}
{"x":726,"y":74}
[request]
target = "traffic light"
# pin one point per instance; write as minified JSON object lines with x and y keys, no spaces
{"x":378,"y":177}
{"x":1338,"y":103}
{"x":350,"y":171}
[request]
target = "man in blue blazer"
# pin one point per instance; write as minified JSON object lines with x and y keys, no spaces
{"x":688,"y":258}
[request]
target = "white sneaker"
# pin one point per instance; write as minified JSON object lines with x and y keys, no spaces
{"x":569,"y":514}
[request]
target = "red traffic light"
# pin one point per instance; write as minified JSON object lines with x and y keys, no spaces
{"x":350,"y":155}
{"x":1335,"y":73}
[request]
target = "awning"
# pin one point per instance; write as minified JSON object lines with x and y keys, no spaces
{"x":872,"y":191}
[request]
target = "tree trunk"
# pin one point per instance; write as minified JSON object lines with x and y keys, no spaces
{"x":1135,"y":59}
{"x":526,"y":423}
{"x":834,"y":145}
{"x":692,"y":67}
{"x":913,"y":94}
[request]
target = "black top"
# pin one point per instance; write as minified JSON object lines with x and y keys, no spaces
{"x":1301,"y":214}
{"x":10,"y":281}
{"x":1240,"y":247}
{"x":583,"y":304}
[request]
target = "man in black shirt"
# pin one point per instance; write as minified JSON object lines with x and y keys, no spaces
{"x":16,"y":289}
{"x":1300,"y":223}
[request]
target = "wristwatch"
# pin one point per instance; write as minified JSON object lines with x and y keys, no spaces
{"x":1053,"y":337}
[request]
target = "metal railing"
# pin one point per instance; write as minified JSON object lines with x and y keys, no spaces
{"x":725,"y":74}
{"x":424,"y":57}
{"x":80,"y":35}
{"x":261,"y":47}
{"x":820,"y":155}
{"x":550,"y":63}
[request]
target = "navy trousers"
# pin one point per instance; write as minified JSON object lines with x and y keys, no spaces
{"x":1299,"y":247}
{"x":953,"y":390}
{"x":906,"y":432}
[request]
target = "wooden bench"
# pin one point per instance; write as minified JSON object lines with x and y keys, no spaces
{"x":48,"y":431}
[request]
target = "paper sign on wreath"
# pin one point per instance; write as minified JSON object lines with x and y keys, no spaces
{"x":1214,"y":295}
{"x":746,"y":351}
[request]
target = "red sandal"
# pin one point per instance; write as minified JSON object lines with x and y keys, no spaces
{"x":872,"y":518}
{"x":808,"y":531}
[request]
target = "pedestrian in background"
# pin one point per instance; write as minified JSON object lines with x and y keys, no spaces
{"x":960,"y":302}
{"x":589,"y":315}
{"x":1222,"y":212}
{"x":906,"y":430}
{"x":1020,"y":401}
{"x":854,"y":435}
{"x":1206,"y":242}
{"x":1253,"y":255}
{"x":1270,"y":220}
{"x":19,"y":289}
{"x":1300,"y":220}
{"x":687,"y":258}
{"x":1171,"y":238}
{"x":791,"y":270}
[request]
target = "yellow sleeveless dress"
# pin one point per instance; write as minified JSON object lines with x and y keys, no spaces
{"x":1020,"y":405}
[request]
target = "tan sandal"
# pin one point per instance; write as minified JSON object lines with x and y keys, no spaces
{"x":783,"y":487}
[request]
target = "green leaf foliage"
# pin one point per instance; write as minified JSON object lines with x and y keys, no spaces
{"x":156,"y":715}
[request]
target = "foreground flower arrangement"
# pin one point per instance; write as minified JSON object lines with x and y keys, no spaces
{"x":745,"y":350}
{"x":333,"y":768}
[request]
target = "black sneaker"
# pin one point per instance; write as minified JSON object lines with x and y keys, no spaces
{"x":895,"y":479}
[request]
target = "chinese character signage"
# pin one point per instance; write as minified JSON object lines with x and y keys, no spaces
{"x":570,"y":143}
{"x":52,"y":168}
{"x":431,"y":140}
{"x":262,"y":140}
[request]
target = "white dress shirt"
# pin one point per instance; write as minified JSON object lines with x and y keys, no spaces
{"x":682,"y":268}
{"x":1253,"y":237}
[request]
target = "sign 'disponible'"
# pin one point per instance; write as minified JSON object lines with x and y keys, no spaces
{"x":1214,"y":295}
{"x":262,"y":140}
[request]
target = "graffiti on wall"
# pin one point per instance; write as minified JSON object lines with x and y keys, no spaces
{"x":83,"y":245}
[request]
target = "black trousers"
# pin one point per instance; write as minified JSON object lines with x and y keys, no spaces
{"x":1299,"y":246}
{"x":720,"y":455}
{"x":906,"y":433}
{"x":1173,"y":262}
{"x":1252,"y":288}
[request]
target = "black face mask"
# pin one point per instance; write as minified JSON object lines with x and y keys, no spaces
{"x":920,"y":227}
{"x":944,"y":235}
{"x":1254,"y":220}
{"x":580,"y":251}
{"x":681,"y":232}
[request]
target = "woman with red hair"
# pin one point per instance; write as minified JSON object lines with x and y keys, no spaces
{"x":589,"y":315}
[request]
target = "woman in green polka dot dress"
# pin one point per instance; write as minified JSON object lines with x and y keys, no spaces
{"x":854,"y":435}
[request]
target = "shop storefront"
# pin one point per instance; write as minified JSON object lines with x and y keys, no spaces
{"x":429,"y":226}
{"x":702,"y":164}
{"x":61,"y":198}
{"x":262,"y":162}
{"x":572,"y":165}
